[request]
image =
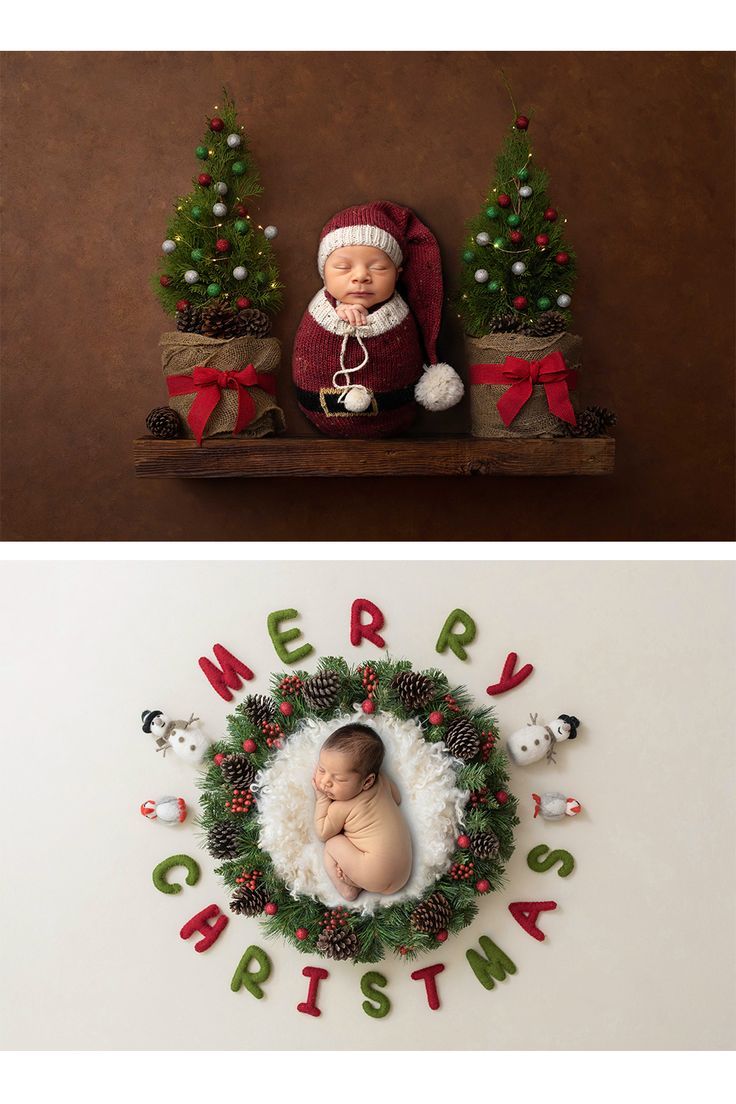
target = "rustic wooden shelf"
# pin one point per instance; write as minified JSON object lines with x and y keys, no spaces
{"x":267,"y":457}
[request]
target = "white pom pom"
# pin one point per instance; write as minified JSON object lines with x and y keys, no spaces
{"x":439,"y":388}
{"x":358,"y":399}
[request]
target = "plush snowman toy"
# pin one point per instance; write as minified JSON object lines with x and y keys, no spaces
{"x":534,"y":741}
{"x":187,"y":740}
{"x":157,"y":724}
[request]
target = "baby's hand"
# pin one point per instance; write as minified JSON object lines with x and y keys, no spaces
{"x":354,"y":316}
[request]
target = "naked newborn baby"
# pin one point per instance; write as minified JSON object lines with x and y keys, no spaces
{"x":367,"y":841}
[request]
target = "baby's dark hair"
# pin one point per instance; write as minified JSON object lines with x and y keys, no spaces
{"x":362,"y":742}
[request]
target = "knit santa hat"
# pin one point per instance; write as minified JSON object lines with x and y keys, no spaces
{"x":412,"y":247}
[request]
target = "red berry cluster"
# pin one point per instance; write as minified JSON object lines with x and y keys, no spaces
{"x":241,"y":803}
{"x":334,"y":918}
{"x":290,"y":684}
{"x":451,"y":703}
{"x":486,"y":747}
{"x":273,"y":733}
{"x":248,"y":878}
{"x":462,"y":872}
{"x":369,"y":679}
{"x":478,"y":797}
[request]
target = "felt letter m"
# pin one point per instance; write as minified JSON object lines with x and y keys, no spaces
{"x":227,"y":679}
{"x":496,"y":964}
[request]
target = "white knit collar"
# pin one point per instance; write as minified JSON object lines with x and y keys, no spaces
{"x":389,"y":315}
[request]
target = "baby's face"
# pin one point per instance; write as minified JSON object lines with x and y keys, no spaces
{"x":360,"y":275}
{"x":336,"y":776}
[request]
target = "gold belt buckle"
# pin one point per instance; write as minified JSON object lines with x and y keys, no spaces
{"x":342,"y":413}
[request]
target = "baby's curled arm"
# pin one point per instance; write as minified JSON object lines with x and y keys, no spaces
{"x":329,"y":817}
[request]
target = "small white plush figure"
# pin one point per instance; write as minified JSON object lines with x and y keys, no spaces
{"x":534,"y":741}
{"x":157,"y":724}
{"x":554,"y":806}
{"x":169,"y":810}
{"x":187,"y":741}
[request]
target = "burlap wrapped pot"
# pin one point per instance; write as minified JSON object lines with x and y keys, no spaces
{"x":534,"y":419}
{"x":182,"y":352}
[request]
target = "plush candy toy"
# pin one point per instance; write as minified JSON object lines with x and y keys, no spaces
{"x":534,"y":741}
{"x":555,"y":806}
{"x":169,"y":810}
{"x":364,"y":355}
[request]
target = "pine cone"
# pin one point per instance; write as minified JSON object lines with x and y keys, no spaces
{"x":248,"y":902}
{"x":414,"y":690}
{"x":484,"y":845}
{"x":461,"y":739}
{"x":505,"y":323}
{"x":222,"y":841}
{"x":322,"y":690}
{"x":254,"y":322}
{"x":432,"y":915}
{"x":339,"y":943}
{"x":551,"y":322}
{"x":189,"y":319}
{"x":592,"y":422}
{"x":163,"y":422}
{"x":237,"y":770}
{"x":219,"y":321}
{"x":259,"y":709}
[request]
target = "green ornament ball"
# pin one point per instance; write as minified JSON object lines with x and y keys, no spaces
{"x":513,"y":220}
{"x":196,"y":212}
{"x":492,"y":212}
{"x":499,"y":243}
{"x":523,"y":174}
{"x":494,"y":285}
{"x":202,"y":153}
{"x":241,"y":226}
{"x":213,"y":290}
{"x":196,"y":254}
{"x":468,"y":255}
{"x":261,"y":278}
{"x":544,"y":303}
{"x":238,"y":168}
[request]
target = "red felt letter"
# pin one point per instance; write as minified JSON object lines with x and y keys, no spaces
{"x":427,"y":975}
{"x":526,"y":913}
{"x":508,"y":679}
{"x":315,"y":975}
{"x":226,"y":679}
{"x":358,"y":631}
{"x":200,"y":923}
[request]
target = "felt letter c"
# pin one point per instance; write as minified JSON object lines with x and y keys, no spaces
{"x":159,"y":879}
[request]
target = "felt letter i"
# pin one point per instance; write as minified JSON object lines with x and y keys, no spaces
{"x":315,"y":975}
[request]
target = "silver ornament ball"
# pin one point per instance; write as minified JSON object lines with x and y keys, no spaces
{"x":221,"y":187}
{"x":270,"y":232}
{"x":563,"y":301}
{"x":482,"y":238}
{"x":220,"y":210}
{"x":481,"y":276}
{"x":240,"y":273}
{"x":518,"y":267}
{"x":191,"y":277}
{"x":233,"y":141}
{"x":525,"y":191}
{"x":168,"y":246}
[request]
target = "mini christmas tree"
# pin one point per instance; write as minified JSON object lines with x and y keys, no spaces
{"x":216,"y":261}
{"x":517,"y":271}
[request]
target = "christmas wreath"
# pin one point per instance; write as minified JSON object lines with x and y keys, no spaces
{"x":257,"y":807}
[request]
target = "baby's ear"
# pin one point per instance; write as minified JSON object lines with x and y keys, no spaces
{"x":370,"y":779}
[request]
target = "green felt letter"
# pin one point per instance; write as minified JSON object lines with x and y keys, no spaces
{"x":252,"y":980}
{"x":496,"y":964}
{"x":280,"y":639}
{"x":368,"y":984}
{"x":456,"y":640}
{"x":163,"y":868}
{"x":539,"y":865}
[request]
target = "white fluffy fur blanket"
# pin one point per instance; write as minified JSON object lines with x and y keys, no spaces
{"x":430,"y":801}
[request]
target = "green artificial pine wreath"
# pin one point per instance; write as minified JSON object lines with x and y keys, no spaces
{"x":194,"y":232}
{"x":410,"y":927}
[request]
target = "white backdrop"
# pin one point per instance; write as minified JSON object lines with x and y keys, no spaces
{"x":640,"y":951}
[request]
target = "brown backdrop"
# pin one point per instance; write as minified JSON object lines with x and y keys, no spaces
{"x":640,"y":155}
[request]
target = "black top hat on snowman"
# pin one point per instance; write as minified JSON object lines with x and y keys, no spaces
{"x":573,"y":723}
{"x":148,"y":716}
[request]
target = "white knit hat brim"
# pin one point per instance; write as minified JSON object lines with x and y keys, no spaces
{"x":358,"y":235}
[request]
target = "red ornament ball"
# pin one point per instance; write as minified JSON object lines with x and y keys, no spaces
{"x":368,"y":706}
{"x":164,"y":281}
{"x":222,"y":245}
{"x":521,"y":122}
{"x":271,"y":909}
{"x":218,"y":758}
{"x":182,"y":304}
{"x":242,"y":303}
{"x":516,"y":236}
{"x":240,"y":210}
{"x":286,"y":708}
{"x":550,"y":214}
{"x":301,"y":934}
{"x":542,"y":240}
{"x":217,"y":124}
{"x":504,"y":200}
{"x":520,"y":302}
{"x":483,"y":885}
{"x":441,"y":936}
{"x":463,"y":841}
{"x":502,"y":797}
{"x":403,"y":950}
{"x":562,"y":258}
{"x":204,"y":179}
{"x":249,"y":746}
{"x":436,"y":718}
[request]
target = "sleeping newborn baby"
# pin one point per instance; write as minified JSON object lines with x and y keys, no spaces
{"x":367,"y":841}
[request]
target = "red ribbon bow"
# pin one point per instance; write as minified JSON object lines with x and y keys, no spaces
{"x":209,"y":383}
{"x":551,"y":372}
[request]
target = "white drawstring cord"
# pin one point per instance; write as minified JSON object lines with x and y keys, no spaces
{"x":346,"y":372}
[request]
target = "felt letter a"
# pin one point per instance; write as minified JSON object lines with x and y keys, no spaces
{"x":526,"y":913}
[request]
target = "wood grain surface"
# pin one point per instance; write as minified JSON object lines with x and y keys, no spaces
{"x":96,"y":146}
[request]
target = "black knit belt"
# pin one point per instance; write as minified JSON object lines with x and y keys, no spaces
{"x":325,"y":401}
